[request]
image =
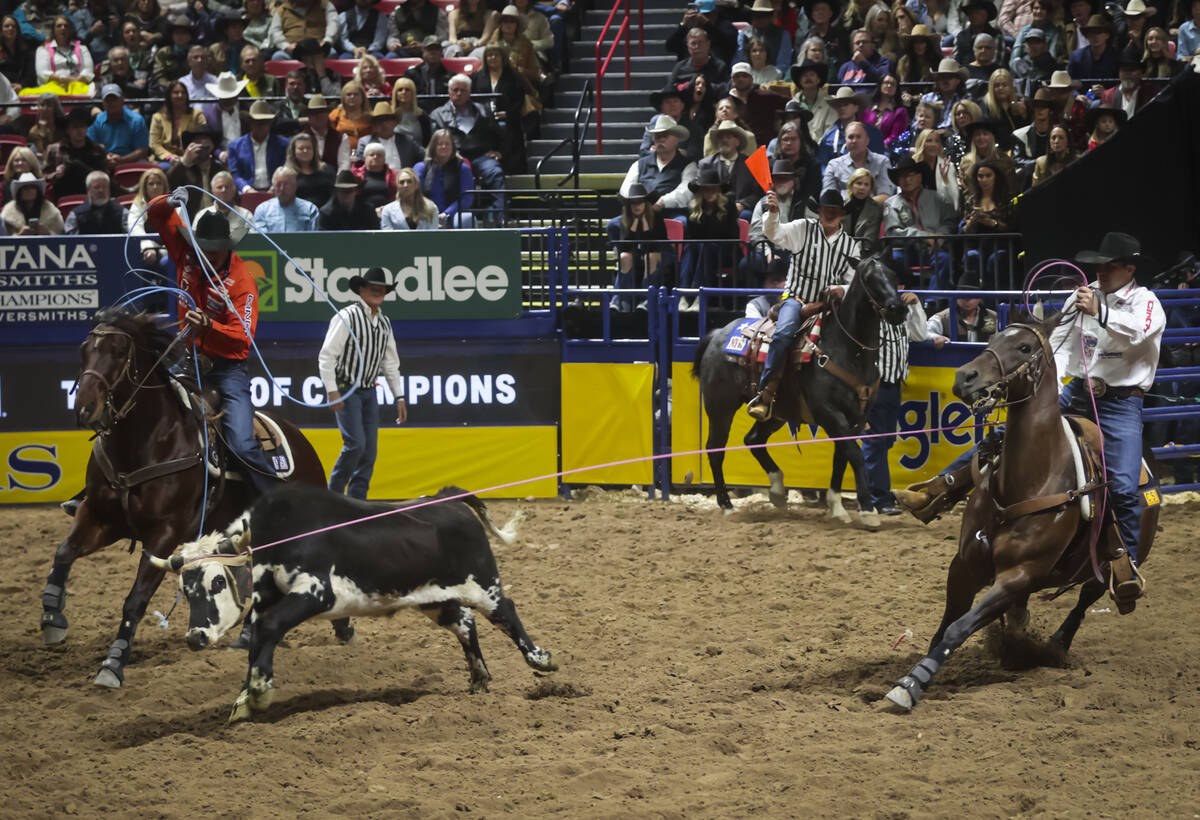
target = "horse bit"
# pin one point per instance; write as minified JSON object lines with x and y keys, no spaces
{"x":995,"y":396}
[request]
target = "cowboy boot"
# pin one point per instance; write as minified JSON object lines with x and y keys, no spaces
{"x":762,"y":406}
{"x":926,"y":500}
{"x":1125,"y":583}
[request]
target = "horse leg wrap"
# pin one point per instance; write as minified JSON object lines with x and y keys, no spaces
{"x":115,"y":661}
{"x":921,"y":675}
{"x":54,"y":598}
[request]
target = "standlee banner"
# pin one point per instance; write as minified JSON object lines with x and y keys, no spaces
{"x":458,"y":274}
{"x":447,"y":383}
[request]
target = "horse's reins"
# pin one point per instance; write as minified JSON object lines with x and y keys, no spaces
{"x":128,"y":372}
{"x":1030,"y":369}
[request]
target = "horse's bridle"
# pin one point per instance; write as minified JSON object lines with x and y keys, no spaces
{"x":129,"y":372}
{"x":995,"y":395}
{"x":878,"y":308}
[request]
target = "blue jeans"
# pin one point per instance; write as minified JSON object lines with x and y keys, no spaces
{"x":490,"y":175}
{"x":231,"y":379}
{"x":358,"y":421}
{"x":1120,"y":422}
{"x":884,"y":418}
{"x":781,"y":342}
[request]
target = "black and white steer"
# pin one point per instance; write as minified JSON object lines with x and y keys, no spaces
{"x":435,"y":558}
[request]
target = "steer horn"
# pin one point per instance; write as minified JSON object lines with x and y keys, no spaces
{"x":172,"y":564}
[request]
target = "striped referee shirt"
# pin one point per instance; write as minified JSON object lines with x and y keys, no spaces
{"x":893,"y":344}
{"x":338,"y":360}
{"x":817,"y":261}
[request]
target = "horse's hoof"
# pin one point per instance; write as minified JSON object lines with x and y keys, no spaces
{"x":901,"y":697}
{"x":241,"y":708}
{"x":869,"y":520}
{"x":728,"y":511}
{"x":54,"y":635}
{"x":778,"y":499}
{"x":107,"y":678}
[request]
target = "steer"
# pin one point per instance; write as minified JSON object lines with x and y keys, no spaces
{"x":313,"y":554}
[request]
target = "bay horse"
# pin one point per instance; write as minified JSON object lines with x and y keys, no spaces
{"x":1022,"y":529}
{"x":145,"y":478}
{"x":837,"y":385}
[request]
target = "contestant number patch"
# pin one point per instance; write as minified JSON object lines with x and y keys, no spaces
{"x":1151,"y":497}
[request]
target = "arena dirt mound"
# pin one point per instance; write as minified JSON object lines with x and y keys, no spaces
{"x":1023,"y":650}
{"x":548,"y":688}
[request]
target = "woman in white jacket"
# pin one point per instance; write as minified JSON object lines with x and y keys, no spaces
{"x":410,"y":211}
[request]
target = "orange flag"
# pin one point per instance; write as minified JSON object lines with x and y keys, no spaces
{"x":757,"y":163}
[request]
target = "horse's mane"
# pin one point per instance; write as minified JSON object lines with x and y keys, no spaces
{"x":146,"y":332}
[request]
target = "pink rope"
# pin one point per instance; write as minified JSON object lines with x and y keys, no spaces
{"x":444,"y":499}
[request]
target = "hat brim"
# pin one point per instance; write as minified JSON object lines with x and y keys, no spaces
{"x":803,"y":114}
{"x":820,"y":69}
{"x":220,"y":94}
{"x":679,"y":131}
{"x":215,"y":244}
{"x":357,"y":283}
{"x":695,"y":186}
{"x":1098,"y":258}
{"x":657,"y":97}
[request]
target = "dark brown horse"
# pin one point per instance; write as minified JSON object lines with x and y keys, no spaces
{"x":145,"y":479}
{"x":1044,"y":542}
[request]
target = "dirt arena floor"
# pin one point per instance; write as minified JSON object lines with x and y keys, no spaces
{"x":713,"y":666}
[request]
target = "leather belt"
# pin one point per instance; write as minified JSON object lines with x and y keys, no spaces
{"x":1122,"y":393}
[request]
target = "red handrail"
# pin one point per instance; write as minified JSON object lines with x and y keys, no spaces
{"x":602,"y":68}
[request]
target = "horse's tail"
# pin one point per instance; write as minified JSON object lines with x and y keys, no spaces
{"x":700,"y":350}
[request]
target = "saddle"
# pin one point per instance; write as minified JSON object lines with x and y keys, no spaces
{"x":205,"y":407}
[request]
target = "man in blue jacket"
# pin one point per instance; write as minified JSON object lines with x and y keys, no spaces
{"x":254,"y":157}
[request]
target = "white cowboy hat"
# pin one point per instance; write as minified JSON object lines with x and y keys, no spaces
{"x":665,"y":124}
{"x":846,"y":94}
{"x":1062,"y":79}
{"x":226,"y":87}
{"x":949,"y":66}
{"x":26,"y":179}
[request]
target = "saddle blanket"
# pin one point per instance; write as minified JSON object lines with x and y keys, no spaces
{"x":267,"y":433}
{"x":753,"y":336}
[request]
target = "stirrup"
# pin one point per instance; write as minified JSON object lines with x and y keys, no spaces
{"x":760,"y":407}
{"x":1125,"y":583}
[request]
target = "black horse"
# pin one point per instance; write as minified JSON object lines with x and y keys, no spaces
{"x":834,"y":385}
{"x":145,"y":478}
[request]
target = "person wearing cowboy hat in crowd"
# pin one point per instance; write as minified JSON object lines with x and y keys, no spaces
{"x":809,"y":78}
{"x":1031,"y":141}
{"x":762,"y":27}
{"x":285,"y":212}
{"x":866,"y":65}
{"x":297,"y":21}
{"x":1131,"y":94}
{"x":196,"y":165}
{"x":69,"y":161}
{"x":712,"y":216}
{"x":1101,"y":124}
{"x":362,"y":30}
{"x":1071,"y":106}
{"x":401,"y":149}
{"x":333,"y":147}
{"x":823,"y":257}
{"x":319,"y":78}
{"x":346,"y":210}
{"x":225,"y":116}
{"x":916,"y":211}
{"x":664,"y":173}
{"x":412,"y":22}
{"x":357,"y":364}
{"x":254,"y":157}
{"x":824,"y":23}
{"x":947,"y":89}
{"x":649,"y":263}
{"x":667,"y":100}
{"x":805,"y":150}
{"x":716,"y":21}
{"x":1053,"y":37}
{"x":1132,"y":24}
{"x":730,"y":166}
{"x":1034,"y":65}
{"x":29,"y":213}
{"x":922,"y":50}
{"x":222,"y":316}
{"x":170,"y":60}
{"x":1098,"y":59}
{"x":226,"y":53}
{"x":197,"y":79}
{"x":700,"y":61}
{"x":762,"y":108}
{"x":848,"y":105}
{"x":789,"y":206}
{"x":254,"y":71}
{"x":858,"y":155}
{"x":979,"y":14}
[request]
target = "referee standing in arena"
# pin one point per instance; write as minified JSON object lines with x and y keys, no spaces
{"x":339,"y":363}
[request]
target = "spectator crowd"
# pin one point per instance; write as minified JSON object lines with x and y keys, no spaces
{"x":927,"y":117}
{"x":355,"y":114}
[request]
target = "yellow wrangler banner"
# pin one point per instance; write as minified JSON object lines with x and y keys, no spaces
{"x":927,"y":402}
{"x":49,"y":466}
{"x":607,"y":415}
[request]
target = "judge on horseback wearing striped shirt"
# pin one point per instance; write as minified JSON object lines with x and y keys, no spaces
{"x":823,"y":260}
{"x":373,"y":348}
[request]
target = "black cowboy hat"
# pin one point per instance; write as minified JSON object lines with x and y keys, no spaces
{"x":668,"y":90}
{"x":373,"y":276}
{"x":307,"y":47}
{"x":1131,"y":55}
{"x":707,"y":178}
{"x":212,"y":232}
{"x":822,"y":70}
{"x":1000,"y":132}
{"x":830,"y":198}
{"x":347,"y":179}
{"x":1093,"y":114}
{"x":834,"y":7}
{"x":986,"y":5}
{"x":79,"y":115}
{"x":904,"y":164}
{"x":1114,"y":247}
{"x":794,"y":109}
{"x":637,"y":193}
{"x":783,"y":168}
{"x":198,"y":133}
